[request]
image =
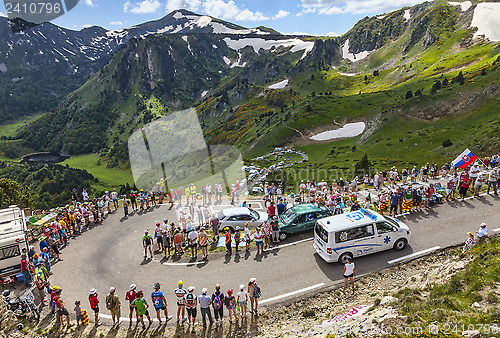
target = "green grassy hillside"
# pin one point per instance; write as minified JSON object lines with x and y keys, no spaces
{"x":424,"y":82}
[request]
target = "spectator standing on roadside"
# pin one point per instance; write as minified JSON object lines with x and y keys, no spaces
{"x":94,"y":305}
{"x":130,"y":296}
{"x":237,"y":238}
{"x":214,"y":222}
{"x":231,"y":305}
{"x":228,"y":241}
{"x":275,"y":230}
{"x":493,"y":181}
{"x":349,"y":273}
{"x":248,"y":238}
{"x":61,"y":309}
{"x":190,"y":303}
{"x":473,"y":172}
{"x":25,"y":266}
{"x":114,"y":306}
{"x":464,"y":187}
{"x":142,"y":308}
{"x":218,"y":305}
{"x":159,"y":303}
{"x":203,"y":242}
{"x":242,"y":301}
{"x":254,"y":294}
{"x":205,"y":302}
{"x":479,"y":183}
{"x":180,"y":292}
{"x":258,"y":236}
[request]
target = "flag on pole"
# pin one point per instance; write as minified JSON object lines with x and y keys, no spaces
{"x":465,"y":159}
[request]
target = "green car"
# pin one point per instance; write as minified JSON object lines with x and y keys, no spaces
{"x":301,"y":218}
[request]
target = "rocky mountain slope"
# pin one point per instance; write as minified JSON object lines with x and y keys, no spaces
{"x":39,"y":66}
{"x":246,"y":86}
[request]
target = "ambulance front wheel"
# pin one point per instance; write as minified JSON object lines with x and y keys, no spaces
{"x":400,"y":244}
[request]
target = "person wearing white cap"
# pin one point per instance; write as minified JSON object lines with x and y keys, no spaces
{"x":113,"y":305}
{"x":190,"y":302}
{"x":254,"y":294}
{"x":205,"y":302}
{"x":482,"y":233}
{"x":242,"y":301}
{"x":130,"y":296}
{"x":94,"y":305}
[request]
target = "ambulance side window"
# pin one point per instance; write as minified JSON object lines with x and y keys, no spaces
{"x":384,"y":227}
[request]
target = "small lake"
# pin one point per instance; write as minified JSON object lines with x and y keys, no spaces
{"x":44,"y":157}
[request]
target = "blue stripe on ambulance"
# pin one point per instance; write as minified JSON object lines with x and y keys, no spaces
{"x":354,"y":246}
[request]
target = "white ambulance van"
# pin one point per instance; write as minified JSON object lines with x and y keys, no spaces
{"x":358,"y":233}
{"x":13,"y":239}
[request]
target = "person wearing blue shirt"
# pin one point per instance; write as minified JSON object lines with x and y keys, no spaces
{"x":46,"y":259}
{"x":281,"y":206}
{"x":43,"y":243}
{"x":205,"y":302}
{"x":159,"y":302}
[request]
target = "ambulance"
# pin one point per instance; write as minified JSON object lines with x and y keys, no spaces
{"x":358,"y":233}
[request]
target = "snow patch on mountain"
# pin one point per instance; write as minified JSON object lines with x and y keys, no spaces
{"x":259,"y":43}
{"x":353,"y":57}
{"x":407,"y":15}
{"x":463,"y":5}
{"x":279,"y":85}
{"x":204,"y":21}
{"x":485,"y":18}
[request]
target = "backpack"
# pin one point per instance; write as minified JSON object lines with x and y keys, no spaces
{"x":109,"y":299}
{"x":257,"y":293}
{"x":190,"y":298}
{"x":217,"y":301}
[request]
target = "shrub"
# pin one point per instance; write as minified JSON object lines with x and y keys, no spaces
{"x":447,"y":143}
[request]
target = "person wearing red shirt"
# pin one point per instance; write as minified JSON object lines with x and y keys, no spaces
{"x":130,"y":296}
{"x":94,"y":305}
{"x":25,"y":270}
{"x":271,"y":210}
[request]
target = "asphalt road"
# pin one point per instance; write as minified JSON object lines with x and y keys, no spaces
{"x":111,"y":255}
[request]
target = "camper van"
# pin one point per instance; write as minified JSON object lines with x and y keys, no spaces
{"x":13,"y":239}
{"x":358,"y":233}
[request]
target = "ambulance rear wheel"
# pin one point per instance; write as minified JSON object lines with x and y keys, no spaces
{"x":344,"y":257}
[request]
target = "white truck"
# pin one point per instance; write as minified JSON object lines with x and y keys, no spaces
{"x":13,"y":239}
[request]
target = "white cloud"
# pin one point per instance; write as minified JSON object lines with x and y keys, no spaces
{"x":332,"y":34}
{"x":281,"y":14}
{"x":331,"y":10}
{"x":144,"y":7}
{"x":229,"y":10}
{"x":190,"y":5}
{"x":116,"y":23}
{"x":86,"y":26}
{"x":332,"y":7}
{"x":248,"y":15}
{"x":307,"y":10}
{"x":3,"y":15}
{"x":89,"y":3}
{"x":126,"y":6}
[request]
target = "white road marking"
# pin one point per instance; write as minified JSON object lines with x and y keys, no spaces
{"x":413,"y":255}
{"x":288,"y":244}
{"x":496,"y":230}
{"x":127,"y":319}
{"x":403,"y":214}
{"x":272,"y":299}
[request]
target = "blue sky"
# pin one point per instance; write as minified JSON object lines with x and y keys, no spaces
{"x":320,"y":17}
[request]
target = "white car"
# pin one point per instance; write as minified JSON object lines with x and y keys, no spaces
{"x":257,"y":190}
{"x":234,"y":217}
